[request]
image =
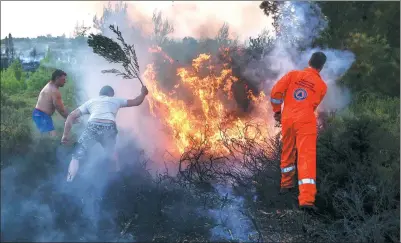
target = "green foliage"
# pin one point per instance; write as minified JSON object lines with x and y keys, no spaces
{"x":39,"y":79}
{"x":377,"y":68}
{"x":19,"y":92}
{"x":358,"y":164}
{"x":14,"y":128}
{"x":371,"y":31}
{"x":371,"y":18}
{"x":358,"y":155}
{"x":13,"y":78}
{"x":376,"y":106}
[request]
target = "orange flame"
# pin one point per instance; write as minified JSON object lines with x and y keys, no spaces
{"x":202,"y":118}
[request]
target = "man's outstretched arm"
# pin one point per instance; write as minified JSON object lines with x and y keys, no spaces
{"x":138,"y":100}
{"x":68,"y":123}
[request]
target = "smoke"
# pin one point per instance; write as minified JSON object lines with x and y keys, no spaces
{"x":202,"y":19}
{"x":337,"y":64}
{"x":231,"y":222}
{"x":37,"y":200}
{"x":299,"y":25}
{"x":134,"y":120}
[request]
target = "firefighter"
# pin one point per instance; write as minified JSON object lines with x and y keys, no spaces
{"x":301,"y":91}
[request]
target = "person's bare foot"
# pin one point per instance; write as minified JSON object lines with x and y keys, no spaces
{"x":72,"y":169}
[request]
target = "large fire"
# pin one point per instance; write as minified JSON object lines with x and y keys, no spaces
{"x":209,"y":118}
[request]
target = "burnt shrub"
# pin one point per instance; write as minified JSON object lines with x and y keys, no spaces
{"x":99,"y":205}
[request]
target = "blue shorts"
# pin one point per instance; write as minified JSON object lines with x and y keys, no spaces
{"x":42,"y":120}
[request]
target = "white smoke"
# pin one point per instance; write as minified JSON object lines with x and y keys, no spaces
{"x":300,"y":24}
{"x":132,"y":122}
{"x":337,"y":64}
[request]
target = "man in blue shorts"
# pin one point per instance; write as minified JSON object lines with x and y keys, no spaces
{"x":50,"y":100}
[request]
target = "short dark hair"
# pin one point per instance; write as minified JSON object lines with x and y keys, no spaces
{"x":107,"y":91}
{"x":58,"y":73}
{"x":317,"y":60}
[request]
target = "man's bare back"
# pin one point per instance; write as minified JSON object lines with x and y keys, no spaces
{"x":50,"y":100}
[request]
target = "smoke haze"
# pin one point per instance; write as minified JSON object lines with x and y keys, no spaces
{"x":301,"y":24}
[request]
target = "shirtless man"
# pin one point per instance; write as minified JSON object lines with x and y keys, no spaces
{"x":101,"y":125}
{"x":50,"y":100}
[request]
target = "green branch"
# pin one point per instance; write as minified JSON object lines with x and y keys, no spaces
{"x":114,"y":53}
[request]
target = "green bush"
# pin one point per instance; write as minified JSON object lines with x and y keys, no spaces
{"x":358,"y":174}
{"x":377,"y":66}
{"x":39,"y":79}
{"x":15,"y":128}
{"x":13,"y":78}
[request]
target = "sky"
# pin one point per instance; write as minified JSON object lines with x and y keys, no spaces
{"x":34,"y":18}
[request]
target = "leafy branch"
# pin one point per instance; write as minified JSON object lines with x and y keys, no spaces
{"x":114,"y":53}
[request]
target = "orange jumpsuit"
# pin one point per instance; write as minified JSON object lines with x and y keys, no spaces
{"x":301,"y":91}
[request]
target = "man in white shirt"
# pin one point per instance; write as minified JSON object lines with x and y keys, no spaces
{"x":101,"y":125}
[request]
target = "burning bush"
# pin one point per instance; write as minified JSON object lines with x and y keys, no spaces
{"x":208,"y":110}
